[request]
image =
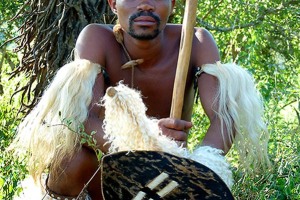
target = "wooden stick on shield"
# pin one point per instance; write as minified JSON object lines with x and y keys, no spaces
{"x":183,"y":58}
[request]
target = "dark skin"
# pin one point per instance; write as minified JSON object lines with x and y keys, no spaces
{"x":154,"y":78}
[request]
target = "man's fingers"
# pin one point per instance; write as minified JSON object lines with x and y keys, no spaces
{"x":176,"y":129}
{"x":175,"y":134}
{"x":175,"y":124}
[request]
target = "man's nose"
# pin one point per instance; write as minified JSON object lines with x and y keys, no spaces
{"x":146,"y":5}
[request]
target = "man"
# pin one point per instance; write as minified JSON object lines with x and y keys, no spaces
{"x":152,"y":46}
{"x":148,"y":37}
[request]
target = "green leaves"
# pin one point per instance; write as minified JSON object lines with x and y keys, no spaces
{"x":8,"y":27}
{"x":87,"y":139}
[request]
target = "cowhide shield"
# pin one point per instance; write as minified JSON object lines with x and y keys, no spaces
{"x":157,"y":175}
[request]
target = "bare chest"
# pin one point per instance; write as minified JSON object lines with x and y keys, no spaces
{"x":155,"y":82}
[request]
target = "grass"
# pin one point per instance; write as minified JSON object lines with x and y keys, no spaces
{"x":281,"y":181}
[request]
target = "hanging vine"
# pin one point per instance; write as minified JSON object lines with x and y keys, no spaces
{"x":47,"y":38}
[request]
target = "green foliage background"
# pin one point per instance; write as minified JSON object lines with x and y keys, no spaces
{"x":262,"y":36}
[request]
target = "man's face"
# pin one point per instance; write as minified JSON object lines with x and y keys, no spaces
{"x":143,"y":19}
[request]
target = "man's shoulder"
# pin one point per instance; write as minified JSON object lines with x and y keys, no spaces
{"x":94,"y":41}
{"x":98,"y":29}
{"x":200,"y":31}
{"x":205,"y":49}
{"x":96,"y":33}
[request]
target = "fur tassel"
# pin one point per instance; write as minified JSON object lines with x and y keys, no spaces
{"x":126,"y":125}
{"x":42,"y":136}
{"x":241,"y":109}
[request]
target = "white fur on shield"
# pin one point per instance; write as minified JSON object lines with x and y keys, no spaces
{"x":127,"y":128}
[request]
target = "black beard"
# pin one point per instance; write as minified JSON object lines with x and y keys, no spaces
{"x":149,"y":36}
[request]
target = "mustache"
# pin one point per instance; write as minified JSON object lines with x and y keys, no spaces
{"x":144,"y":13}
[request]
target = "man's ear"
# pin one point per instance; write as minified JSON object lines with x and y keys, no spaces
{"x":112,"y":4}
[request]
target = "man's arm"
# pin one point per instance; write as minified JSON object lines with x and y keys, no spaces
{"x":94,"y":121}
{"x":207,"y":52}
{"x":89,"y":46}
{"x":208,"y":86}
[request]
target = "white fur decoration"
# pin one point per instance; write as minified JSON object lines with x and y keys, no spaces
{"x":42,"y":135}
{"x":127,"y":128}
{"x":241,"y":109}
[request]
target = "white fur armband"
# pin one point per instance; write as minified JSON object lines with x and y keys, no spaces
{"x":240,"y":110}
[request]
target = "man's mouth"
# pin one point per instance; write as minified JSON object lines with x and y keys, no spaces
{"x":145,"y":21}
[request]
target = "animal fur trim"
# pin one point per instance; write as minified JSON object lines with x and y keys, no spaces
{"x":240,"y":109}
{"x":42,"y":135}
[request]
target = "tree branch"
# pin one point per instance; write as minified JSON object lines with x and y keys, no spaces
{"x":259,"y":20}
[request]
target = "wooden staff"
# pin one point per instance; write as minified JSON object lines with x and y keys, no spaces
{"x":185,"y":49}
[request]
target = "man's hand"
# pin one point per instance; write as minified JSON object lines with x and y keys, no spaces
{"x":176,"y":129}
